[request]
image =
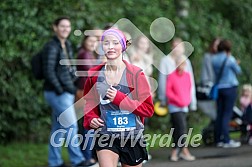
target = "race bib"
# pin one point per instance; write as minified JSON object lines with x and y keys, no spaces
{"x":118,"y":121}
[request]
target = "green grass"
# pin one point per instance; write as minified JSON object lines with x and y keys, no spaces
{"x":26,"y":155}
{"x":235,"y":135}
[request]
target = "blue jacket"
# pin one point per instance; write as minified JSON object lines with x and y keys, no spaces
{"x":229,"y":74}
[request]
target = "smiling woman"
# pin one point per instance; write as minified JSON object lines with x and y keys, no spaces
{"x":59,"y":91}
{"x":116,"y":105}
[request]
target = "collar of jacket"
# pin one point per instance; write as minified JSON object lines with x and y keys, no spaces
{"x":129,"y":67}
{"x":56,"y":39}
{"x":131,"y":75}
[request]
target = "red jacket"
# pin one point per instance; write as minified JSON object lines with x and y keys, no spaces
{"x":141,"y":103}
{"x":88,"y":57}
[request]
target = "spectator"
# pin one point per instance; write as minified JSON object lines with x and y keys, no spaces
{"x":207,"y":81}
{"x":227,"y":86}
{"x":207,"y":73}
{"x":178,"y":91}
{"x":246,"y":95}
{"x":59,"y":91}
{"x":90,"y":59}
{"x":167,"y":66}
{"x":141,"y":55}
{"x":245,"y":105}
{"x":87,"y":53}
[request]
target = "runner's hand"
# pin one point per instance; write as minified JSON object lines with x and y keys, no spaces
{"x":111,"y":93}
{"x":96,"y":123}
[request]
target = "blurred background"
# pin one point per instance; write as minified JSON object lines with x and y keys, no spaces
{"x":26,"y":25}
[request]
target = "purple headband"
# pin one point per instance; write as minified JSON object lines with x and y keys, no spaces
{"x":119,"y":34}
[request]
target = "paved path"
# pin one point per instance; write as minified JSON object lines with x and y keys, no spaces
{"x":206,"y":157}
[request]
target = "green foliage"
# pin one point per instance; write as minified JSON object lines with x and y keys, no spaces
{"x":23,"y":154}
{"x":26,"y":26}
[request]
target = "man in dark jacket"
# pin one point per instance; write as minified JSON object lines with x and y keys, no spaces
{"x":59,"y":92}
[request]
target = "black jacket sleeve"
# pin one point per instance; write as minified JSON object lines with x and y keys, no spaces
{"x":50,"y":67}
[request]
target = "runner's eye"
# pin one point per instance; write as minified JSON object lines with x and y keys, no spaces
{"x":106,"y":43}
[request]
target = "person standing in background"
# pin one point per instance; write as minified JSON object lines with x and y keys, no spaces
{"x":246,"y":96}
{"x":207,"y":79}
{"x":178,"y":91}
{"x":141,"y":55}
{"x":168,"y":65}
{"x":87,"y":55}
{"x":207,"y":72}
{"x":245,"y":102}
{"x":227,"y":86}
{"x":59,"y":92}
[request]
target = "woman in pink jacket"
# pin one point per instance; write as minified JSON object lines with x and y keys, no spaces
{"x":178,"y":92}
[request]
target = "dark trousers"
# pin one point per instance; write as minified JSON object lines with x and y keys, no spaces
{"x":225,"y":104}
{"x":178,"y":120}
